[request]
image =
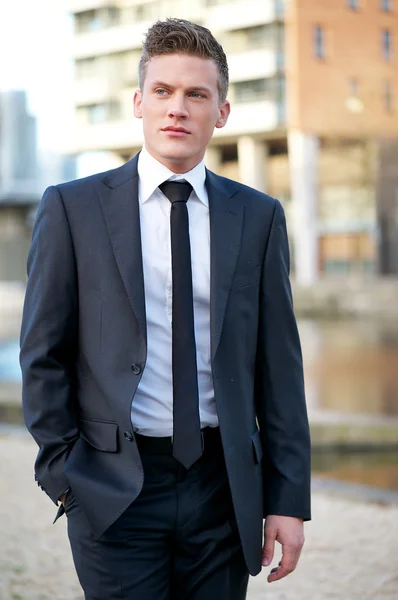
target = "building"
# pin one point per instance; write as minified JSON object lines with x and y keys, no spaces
{"x":24,"y":173}
{"x":314,"y":96}
{"x":19,"y":189}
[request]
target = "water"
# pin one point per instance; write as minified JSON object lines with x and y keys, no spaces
{"x":374,"y":468}
{"x":351,"y":367}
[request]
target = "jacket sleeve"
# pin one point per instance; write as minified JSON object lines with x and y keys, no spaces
{"x":279,"y":386}
{"x":49,"y":343}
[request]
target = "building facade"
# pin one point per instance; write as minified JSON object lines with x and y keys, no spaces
{"x":19,"y":186}
{"x":24,"y":173}
{"x":314,"y":97}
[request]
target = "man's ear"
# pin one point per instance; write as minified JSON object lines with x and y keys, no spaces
{"x":138,"y":104}
{"x":223,"y":115}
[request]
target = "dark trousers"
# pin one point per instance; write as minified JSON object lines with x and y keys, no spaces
{"x":177,"y":541}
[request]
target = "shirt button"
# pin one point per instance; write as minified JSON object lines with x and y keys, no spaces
{"x":129,"y":436}
{"x":136,"y":368}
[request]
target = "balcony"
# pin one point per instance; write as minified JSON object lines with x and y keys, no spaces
{"x":250,"y":118}
{"x":253,"y":64}
{"x":95,"y":90}
{"x":109,"y":40}
{"x":238,"y":14}
{"x":126,"y":134}
{"x":76,"y":6}
{"x":118,"y":136}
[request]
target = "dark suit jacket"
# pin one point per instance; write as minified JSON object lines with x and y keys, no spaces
{"x":83,"y":350}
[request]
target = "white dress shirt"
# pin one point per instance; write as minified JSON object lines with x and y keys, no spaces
{"x":152,"y":408}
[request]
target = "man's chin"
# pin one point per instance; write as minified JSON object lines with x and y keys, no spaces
{"x":174,"y":154}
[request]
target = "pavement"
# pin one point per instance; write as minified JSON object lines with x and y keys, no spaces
{"x":351,"y":549}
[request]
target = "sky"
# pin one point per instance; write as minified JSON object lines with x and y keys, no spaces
{"x":35,"y":42}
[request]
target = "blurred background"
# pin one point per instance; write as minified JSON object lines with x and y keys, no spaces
{"x":314,"y":122}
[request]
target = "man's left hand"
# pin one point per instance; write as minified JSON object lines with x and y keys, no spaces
{"x":289,"y":532}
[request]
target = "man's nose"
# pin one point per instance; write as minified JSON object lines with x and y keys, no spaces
{"x":177,"y":108}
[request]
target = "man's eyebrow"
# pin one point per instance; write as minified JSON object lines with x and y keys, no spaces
{"x":161,"y":84}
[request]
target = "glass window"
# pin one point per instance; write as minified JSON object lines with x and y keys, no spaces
{"x":386,"y":40}
{"x":280,"y":7}
{"x":250,"y":91}
{"x":93,"y":20}
{"x":258,"y":36}
{"x":387,"y":96}
{"x":386,"y":5}
{"x":353,"y":86}
{"x":107,"y":111}
{"x":84,"y":20}
{"x":271,"y":88}
{"x":319,"y":41}
{"x":112,"y":15}
{"x":280,"y":96}
{"x":353,"y":4}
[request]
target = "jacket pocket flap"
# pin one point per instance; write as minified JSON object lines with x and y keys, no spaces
{"x":257,"y":446}
{"x":102,"y":435}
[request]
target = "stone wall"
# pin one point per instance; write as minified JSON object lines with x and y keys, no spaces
{"x":348,"y":298}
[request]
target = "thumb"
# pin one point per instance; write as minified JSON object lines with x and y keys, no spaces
{"x":269,"y":545}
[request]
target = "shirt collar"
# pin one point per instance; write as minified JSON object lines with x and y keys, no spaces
{"x":152,"y":173}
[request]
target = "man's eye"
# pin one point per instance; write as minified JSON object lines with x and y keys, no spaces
{"x":197,"y":95}
{"x":160,"y":92}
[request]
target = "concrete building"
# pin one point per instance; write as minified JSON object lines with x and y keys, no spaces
{"x":24,"y":173}
{"x":19,"y":185}
{"x":313,"y":91}
{"x":18,"y":145}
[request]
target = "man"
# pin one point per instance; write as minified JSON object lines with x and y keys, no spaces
{"x":161,"y":361}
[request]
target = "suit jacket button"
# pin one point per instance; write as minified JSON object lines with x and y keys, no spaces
{"x":136,"y":368}
{"x":129,"y":436}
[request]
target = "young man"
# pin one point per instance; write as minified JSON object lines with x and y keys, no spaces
{"x":161,"y":361}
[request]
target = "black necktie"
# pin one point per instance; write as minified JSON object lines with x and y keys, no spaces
{"x":187,"y":439}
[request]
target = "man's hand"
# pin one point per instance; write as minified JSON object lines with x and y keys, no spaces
{"x":288,"y":531}
{"x":62,"y":498}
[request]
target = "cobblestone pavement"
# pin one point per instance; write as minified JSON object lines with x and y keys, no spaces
{"x":351,"y":550}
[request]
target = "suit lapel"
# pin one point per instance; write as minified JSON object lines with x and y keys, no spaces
{"x":226,"y":220}
{"x":120,"y":206}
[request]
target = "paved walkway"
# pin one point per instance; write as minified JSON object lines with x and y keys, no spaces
{"x":351,"y":552}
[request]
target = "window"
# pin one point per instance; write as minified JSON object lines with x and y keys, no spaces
{"x":319,"y":41}
{"x":353,"y":4}
{"x":280,"y":96}
{"x":250,"y":91}
{"x":87,"y":21}
{"x":256,"y":37}
{"x":94,"y":20}
{"x":353,"y":87}
{"x":100,"y":113}
{"x":386,"y":40}
{"x":386,"y":5}
{"x":271,"y":88}
{"x":387,"y":96}
{"x":280,"y":7}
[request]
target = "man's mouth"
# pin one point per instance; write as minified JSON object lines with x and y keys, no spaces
{"x":176,"y":131}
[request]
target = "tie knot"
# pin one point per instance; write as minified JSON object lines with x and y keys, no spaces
{"x":176,"y":191}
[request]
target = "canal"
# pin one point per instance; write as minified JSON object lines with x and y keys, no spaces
{"x":351,"y":367}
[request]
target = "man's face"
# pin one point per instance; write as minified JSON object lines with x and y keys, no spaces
{"x":179,"y":105}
